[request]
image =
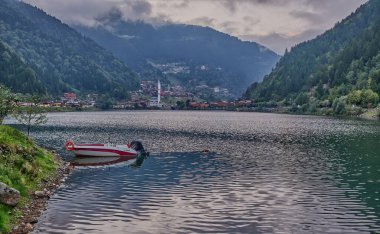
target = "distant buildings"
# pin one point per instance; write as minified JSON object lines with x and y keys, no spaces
{"x":196,"y":105}
{"x":152,"y":95}
{"x":69,"y":96}
{"x":172,"y":68}
{"x":154,"y":102}
{"x":71,"y":100}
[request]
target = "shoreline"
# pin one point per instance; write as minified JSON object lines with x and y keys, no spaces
{"x":32,"y":211}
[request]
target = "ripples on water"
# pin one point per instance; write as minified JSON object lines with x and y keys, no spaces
{"x":265,"y":174}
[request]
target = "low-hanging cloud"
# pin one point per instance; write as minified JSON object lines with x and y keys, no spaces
{"x":312,"y":17}
{"x":205,"y":21}
{"x":88,"y":12}
{"x":288,"y":40}
{"x":278,"y":24}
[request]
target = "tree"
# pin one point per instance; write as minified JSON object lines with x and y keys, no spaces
{"x":355,"y":97}
{"x":7,"y":102}
{"x":369,"y":98}
{"x":302,"y":98}
{"x":319,"y":91}
{"x":32,"y":114}
{"x":104,"y":102}
{"x":339,"y":106}
{"x":180,"y":104}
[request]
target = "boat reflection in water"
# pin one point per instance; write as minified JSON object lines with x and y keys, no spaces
{"x":105,"y":161}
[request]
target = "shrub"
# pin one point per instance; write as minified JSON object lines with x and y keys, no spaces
{"x":313,"y":107}
{"x":369,"y":98}
{"x":302,"y":99}
{"x":339,"y":106}
{"x":355,"y":97}
{"x":364,"y":98}
{"x":354,"y":110}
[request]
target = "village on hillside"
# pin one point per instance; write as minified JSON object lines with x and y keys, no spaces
{"x":152,"y":95}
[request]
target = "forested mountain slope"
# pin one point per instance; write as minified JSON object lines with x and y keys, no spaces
{"x":342,"y":62}
{"x":62,"y":58}
{"x":16,"y":75}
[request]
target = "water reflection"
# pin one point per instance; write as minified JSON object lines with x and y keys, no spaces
{"x":94,"y":161}
{"x":265,"y":174}
{"x":101,"y":161}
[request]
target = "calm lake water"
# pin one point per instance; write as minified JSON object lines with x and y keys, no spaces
{"x":265,"y":173}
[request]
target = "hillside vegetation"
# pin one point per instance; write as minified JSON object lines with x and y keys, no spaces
{"x":338,"y":70}
{"x":15,"y":74}
{"x":22,"y":166}
{"x":62,"y":59}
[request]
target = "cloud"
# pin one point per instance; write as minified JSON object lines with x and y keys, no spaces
{"x":233,"y":5}
{"x":280,"y":41}
{"x":275,"y":23}
{"x":309,"y":16}
{"x":251,"y":20}
{"x":176,"y":4}
{"x":113,"y":15}
{"x":230,"y":27}
{"x":140,"y":7}
{"x":205,"y":21}
{"x":321,"y":11}
{"x":91,"y":12}
{"x":129,"y":10}
{"x":181,"y":4}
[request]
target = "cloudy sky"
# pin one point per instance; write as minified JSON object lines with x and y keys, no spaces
{"x":277,"y":24}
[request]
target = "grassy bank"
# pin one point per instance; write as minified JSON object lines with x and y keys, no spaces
{"x":23,"y":166}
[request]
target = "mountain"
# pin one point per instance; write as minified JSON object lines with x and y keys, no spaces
{"x":185,"y":54}
{"x":337,"y":65}
{"x":16,"y":75}
{"x":63,"y":59}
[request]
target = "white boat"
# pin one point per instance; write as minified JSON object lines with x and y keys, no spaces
{"x":103,"y":150}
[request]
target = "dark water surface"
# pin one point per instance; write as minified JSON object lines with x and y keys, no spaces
{"x":265,"y":173}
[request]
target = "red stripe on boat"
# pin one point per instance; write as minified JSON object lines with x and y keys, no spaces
{"x":121,"y":153}
{"x":122,"y":157}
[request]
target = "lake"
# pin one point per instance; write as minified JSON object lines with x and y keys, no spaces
{"x":264,"y":173}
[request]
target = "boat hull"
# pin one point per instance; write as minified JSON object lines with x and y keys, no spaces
{"x":101,"y":161}
{"x":103,"y":152}
{"x":99,"y":150}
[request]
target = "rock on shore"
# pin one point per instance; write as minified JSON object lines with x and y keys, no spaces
{"x":32,"y":211}
{"x":9,"y":196}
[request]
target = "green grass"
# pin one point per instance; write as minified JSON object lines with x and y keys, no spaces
{"x":22,"y":166}
{"x":4,"y":217}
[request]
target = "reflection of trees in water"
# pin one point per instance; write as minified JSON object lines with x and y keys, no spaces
{"x":359,"y":160}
